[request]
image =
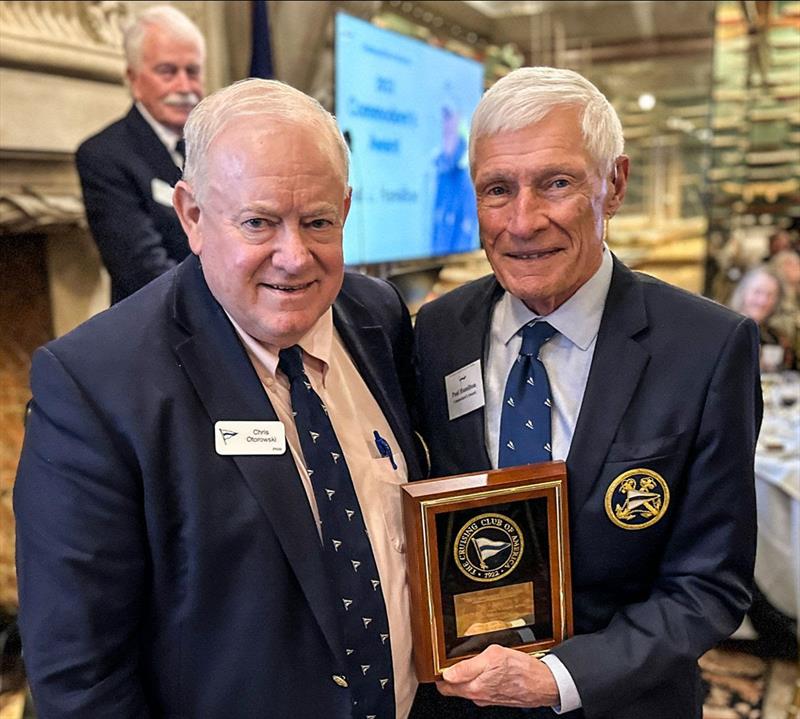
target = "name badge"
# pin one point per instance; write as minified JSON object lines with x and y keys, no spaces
{"x":236,"y":438}
{"x":464,"y":389}
{"x":162,"y":192}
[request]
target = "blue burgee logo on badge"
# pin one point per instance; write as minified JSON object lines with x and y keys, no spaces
{"x":464,"y":389}
{"x":234,"y":437}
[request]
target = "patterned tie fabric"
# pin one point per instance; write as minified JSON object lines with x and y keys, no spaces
{"x":525,"y":419}
{"x":180,"y":148}
{"x":348,"y":552}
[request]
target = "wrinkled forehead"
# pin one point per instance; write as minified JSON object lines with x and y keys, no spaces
{"x":257,"y":134}
{"x":244,"y":148}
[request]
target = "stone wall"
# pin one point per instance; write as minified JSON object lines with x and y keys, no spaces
{"x":61,"y":70}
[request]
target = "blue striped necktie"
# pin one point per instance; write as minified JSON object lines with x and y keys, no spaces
{"x":348,"y":552}
{"x":525,"y":418}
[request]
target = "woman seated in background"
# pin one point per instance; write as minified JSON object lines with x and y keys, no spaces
{"x":758,"y":296}
{"x":786,"y":266}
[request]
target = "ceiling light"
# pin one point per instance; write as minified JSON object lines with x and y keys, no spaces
{"x":646,"y":102}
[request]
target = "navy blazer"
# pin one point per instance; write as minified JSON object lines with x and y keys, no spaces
{"x":156,"y":577}
{"x":138,"y":234}
{"x":673,"y":387}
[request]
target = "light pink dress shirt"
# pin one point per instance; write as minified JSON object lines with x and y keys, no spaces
{"x":354,"y":414}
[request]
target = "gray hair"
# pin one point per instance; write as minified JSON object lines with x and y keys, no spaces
{"x":166,"y":17}
{"x":525,"y":96}
{"x":736,"y":301}
{"x":254,"y":97}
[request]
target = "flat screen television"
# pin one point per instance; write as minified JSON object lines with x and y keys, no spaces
{"x":405,"y":108}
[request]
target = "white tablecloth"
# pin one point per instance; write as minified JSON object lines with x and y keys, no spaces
{"x":778,"y":494}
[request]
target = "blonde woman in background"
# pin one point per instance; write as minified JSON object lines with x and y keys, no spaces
{"x":757,"y":296}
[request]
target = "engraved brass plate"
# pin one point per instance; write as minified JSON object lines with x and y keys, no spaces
{"x":491,"y":610}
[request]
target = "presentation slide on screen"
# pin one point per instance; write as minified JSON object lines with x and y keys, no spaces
{"x":405,"y":108}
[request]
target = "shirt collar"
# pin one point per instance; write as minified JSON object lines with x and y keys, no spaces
{"x":578,"y":319}
{"x":168,"y":138}
{"x":317,"y":344}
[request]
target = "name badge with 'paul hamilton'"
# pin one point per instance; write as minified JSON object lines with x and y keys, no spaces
{"x":232,"y":437}
{"x":464,"y":389}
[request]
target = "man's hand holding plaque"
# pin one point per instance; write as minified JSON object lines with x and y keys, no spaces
{"x":484,"y":679}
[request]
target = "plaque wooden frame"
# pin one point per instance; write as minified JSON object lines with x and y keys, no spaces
{"x":426,"y":500}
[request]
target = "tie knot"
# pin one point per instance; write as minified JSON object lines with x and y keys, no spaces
{"x":290,"y":362}
{"x":180,"y":148}
{"x":534,"y":335}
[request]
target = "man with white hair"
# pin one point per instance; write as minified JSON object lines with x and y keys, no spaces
{"x":208,"y":502}
{"x":650,"y":394}
{"x":128,"y":169}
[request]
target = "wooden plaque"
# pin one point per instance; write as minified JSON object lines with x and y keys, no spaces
{"x":488,"y":563}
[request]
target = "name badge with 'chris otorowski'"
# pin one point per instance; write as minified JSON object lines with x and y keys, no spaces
{"x":237,"y":437}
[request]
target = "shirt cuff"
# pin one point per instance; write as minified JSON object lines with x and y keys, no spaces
{"x":569,"y":698}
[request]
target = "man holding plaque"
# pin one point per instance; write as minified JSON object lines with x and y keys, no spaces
{"x":208,"y":501}
{"x":649,"y":393}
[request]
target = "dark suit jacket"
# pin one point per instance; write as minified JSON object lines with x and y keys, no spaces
{"x":139,"y":237}
{"x":157,"y":578}
{"x":673,"y":387}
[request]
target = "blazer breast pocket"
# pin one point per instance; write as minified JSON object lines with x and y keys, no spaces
{"x":650,"y":448}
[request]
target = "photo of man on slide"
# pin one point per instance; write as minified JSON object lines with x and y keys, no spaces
{"x":454,"y":217}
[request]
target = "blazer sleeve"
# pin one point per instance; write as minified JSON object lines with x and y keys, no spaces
{"x":702,"y":587}
{"x":130,"y":244}
{"x":81,"y":559}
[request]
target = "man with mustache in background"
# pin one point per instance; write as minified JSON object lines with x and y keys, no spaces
{"x":128,"y":169}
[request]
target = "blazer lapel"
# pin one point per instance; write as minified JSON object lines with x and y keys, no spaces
{"x":371,"y":352}
{"x":472,"y":343}
{"x":210,"y":351}
{"x":151,"y":148}
{"x":617,"y":366}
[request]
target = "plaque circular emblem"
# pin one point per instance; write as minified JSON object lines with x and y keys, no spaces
{"x":637,"y":499}
{"x":488,"y":547}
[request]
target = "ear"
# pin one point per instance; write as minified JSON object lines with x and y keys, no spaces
{"x":130,"y":78}
{"x":617,"y":184}
{"x":348,"y":198}
{"x":188,"y":211}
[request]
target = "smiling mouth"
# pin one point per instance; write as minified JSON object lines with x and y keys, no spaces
{"x":533,"y":255}
{"x":287,"y":288}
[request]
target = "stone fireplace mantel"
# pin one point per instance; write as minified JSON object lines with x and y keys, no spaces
{"x":60,"y":81}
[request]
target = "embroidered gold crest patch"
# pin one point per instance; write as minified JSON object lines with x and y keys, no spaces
{"x":637,"y":499}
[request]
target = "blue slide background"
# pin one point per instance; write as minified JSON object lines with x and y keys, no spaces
{"x":391,"y":92}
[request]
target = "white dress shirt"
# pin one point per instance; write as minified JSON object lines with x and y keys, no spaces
{"x":567,"y":357}
{"x":168,"y":138}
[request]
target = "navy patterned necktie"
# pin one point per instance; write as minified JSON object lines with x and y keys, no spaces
{"x":180,"y":148}
{"x":348,"y":552}
{"x":525,"y":419}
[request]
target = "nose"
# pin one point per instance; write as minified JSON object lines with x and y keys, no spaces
{"x":183,"y":82}
{"x":528,"y":214}
{"x":292,"y":254}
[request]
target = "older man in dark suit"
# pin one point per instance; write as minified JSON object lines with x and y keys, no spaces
{"x":208,"y":501}
{"x":649,"y":393}
{"x":128,"y":170}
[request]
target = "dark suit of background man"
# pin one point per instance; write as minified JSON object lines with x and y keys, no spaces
{"x":644,"y":378}
{"x":163,"y":569}
{"x":128,"y":170}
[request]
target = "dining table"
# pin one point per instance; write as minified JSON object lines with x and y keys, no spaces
{"x":777,"y":479}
